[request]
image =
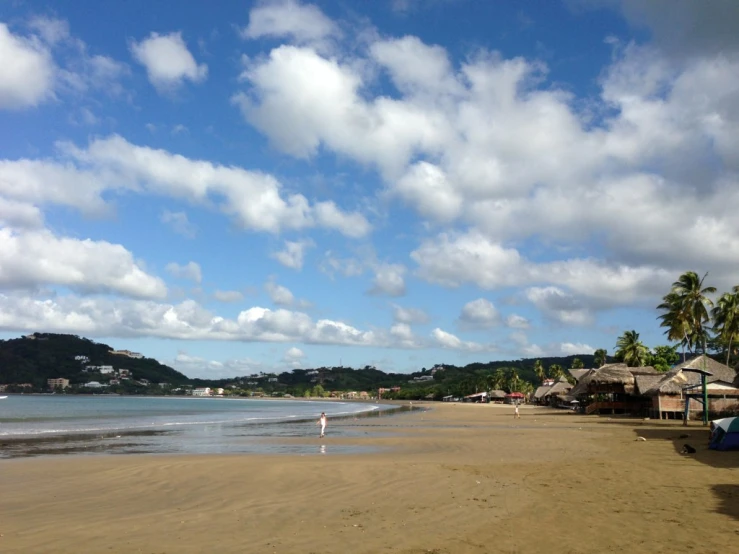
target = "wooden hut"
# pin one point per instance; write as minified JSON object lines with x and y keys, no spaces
{"x":497,"y":396}
{"x":667,"y":394}
{"x":549,"y":393}
{"x":611,"y":389}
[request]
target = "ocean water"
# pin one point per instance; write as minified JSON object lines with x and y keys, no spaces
{"x":59,"y":424}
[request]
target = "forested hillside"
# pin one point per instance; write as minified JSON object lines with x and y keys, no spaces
{"x":50,"y":356}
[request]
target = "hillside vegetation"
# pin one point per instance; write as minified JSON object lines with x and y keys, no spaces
{"x":51,"y":356}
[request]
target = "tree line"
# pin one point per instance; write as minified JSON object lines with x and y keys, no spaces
{"x":693,"y":321}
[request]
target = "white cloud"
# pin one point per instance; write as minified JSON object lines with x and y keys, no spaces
{"x":228,"y":296}
{"x":492,"y":146}
{"x":447,"y":340}
{"x":293,"y":355}
{"x":38,"y":258}
{"x":559,"y":305}
{"x":19,"y":215}
{"x":479,"y":314}
{"x":517,"y":321}
{"x":302,"y":23}
{"x":279,"y":295}
{"x":27,"y":71}
{"x":389,"y":280}
{"x":293,"y":254}
{"x":571,"y":349}
{"x":179,"y":223}
{"x":409,"y":315}
{"x":168,"y":62}
{"x":80,"y":176}
{"x":196,"y":366}
{"x":349,"y":224}
{"x":52,"y":31}
{"x":190,"y":271}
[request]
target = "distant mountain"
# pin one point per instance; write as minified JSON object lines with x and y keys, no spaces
{"x":41,"y":356}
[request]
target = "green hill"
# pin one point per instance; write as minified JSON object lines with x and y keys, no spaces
{"x":50,"y":356}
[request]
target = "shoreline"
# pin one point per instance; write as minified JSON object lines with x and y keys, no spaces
{"x":454,"y":479}
{"x":158,"y":438}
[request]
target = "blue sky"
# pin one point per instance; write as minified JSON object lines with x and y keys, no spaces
{"x":246,"y":187}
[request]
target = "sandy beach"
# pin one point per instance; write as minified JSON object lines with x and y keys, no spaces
{"x":456,"y":479}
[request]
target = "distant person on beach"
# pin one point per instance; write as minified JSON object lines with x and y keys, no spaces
{"x":516,"y":415}
{"x":322,"y":423}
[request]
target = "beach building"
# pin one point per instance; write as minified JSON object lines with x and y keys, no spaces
{"x":61,"y":383}
{"x":94,"y":385}
{"x":497,"y":396}
{"x":666,"y":392}
{"x":127,"y":353}
{"x":514,"y":397}
{"x":610,"y":389}
{"x":549,"y":393}
{"x":205,"y":391}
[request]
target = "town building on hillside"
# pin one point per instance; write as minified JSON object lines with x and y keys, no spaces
{"x":127,"y":353}
{"x":82,"y":359}
{"x":60,"y":382}
{"x":124,"y":373}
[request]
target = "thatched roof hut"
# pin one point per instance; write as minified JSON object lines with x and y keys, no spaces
{"x":613,"y":377}
{"x":616,"y":375}
{"x":674,"y":381}
{"x":645,"y":383}
{"x":577,"y":374}
{"x":562,"y":386}
{"x":497,"y":395}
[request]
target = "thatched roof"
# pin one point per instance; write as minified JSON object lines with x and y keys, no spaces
{"x":612,"y":374}
{"x":645,"y":383}
{"x":577,"y":373}
{"x":583,"y":383}
{"x":560,"y":387}
{"x":497,"y":394}
{"x":675,"y":380}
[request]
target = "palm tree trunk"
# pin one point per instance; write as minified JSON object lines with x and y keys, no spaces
{"x":728,"y":351}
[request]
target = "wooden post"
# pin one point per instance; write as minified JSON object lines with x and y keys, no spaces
{"x":705,"y":399}
{"x":687,"y":411}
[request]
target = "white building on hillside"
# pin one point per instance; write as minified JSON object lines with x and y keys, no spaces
{"x":202,"y":392}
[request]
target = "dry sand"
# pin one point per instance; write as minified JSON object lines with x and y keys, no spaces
{"x":459,"y":478}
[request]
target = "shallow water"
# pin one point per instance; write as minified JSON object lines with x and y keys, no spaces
{"x":57,"y":425}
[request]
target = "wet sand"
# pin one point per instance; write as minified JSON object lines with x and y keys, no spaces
{"x":457,"y":479}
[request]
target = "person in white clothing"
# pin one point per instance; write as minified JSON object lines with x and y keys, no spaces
{"x":516,"y":415}
{"x":322,"y":423}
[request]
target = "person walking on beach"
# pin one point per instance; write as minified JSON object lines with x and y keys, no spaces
{"x":322,"y":423}
{"x":516,"y":415}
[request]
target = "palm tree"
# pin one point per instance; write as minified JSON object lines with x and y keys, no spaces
{"x":577,"y":364}
{"x":726,"y":319}
{"x":513,"y":380}
{"x":677,"y":321}
{"x":539,"y":370}
{"x":555,"y":371}
{"x":690,"y":305}
{"x":630,"y":349}
{"x":497,"y":379}
{"x":599,"y":357}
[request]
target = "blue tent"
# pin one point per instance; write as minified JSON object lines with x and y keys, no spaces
{"x":725,"y":434}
